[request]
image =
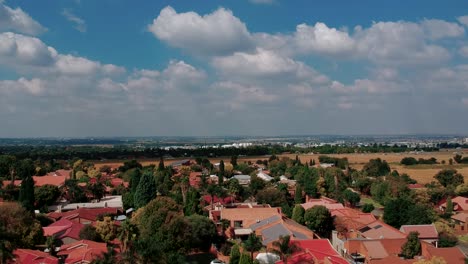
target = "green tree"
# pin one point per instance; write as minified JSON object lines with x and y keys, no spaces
{"x":235,"y":255}
{"x":146,"y":190}
{"x":298,"y":214}
{"x":449,"y":177}
{"x":298,"y":194}
{"x":449,"y":208}
{"x":6,"y":245}
{"x":376,"y":167}
{"x":221,"y":173}
{"x":26,"y":195}
{"x":256,"y":184}
{"x":245,"y":259}
{"x":447,"y":240}
{"x":234,"y":161}
{"x":192,"y":204}
{"x":462,"y":190}
{"x":202,"y":231}
{"x":320,"y":220}
{"x":252,"y":244}
{"x":73,"y":192}
{"x":128,"y":234}
{"x":161,"y":164}
{"x":89,"y":233}
{"x":271,"y":196}
{"x":351,"y":197}
{"x":284,"y":248}
{"x":96,"y":189}
{"x":20,"y":226}
{"x":367,"y":208}
{"x":46,"y":195}
{"x":412,"y":247}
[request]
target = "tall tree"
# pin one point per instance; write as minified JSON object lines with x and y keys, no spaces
{"x":146,"y":190}
{"x":298,"y":194}
{"x":235,"y":255}
{"x":26,"y":195}
{"x":252,"y":244}
{"x":234,"y":161}
{"x":221,"y":173}
{"x":412,"y":247}
{"x":298,"y":214}
{"x":161,"y":164}
{"x":449,"y":208}
{"x":284,"y":248}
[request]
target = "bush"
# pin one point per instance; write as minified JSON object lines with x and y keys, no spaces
{"x":367,"y":208}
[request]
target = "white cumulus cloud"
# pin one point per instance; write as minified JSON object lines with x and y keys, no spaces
{"x":217,"y":33}
{"x":18,"y":21}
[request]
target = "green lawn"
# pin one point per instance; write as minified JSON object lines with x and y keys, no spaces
{"x":365,"y":200}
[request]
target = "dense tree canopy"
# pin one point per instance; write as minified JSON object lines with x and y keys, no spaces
{"x":449,"y":177}
{"x":319,"y":219}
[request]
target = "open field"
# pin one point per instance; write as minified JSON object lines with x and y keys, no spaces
{"x":422,"y":173}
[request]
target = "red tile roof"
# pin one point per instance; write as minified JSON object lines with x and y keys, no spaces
{"x":69,"y":229}
{"x":216,"y":199}
{"x":28,"y":256}
{"x":84,"y":250}
{"x":425,"y":231}
{"x":321,"y":249}
{"x":89,"y":214}
{"x":460,"y":203}
{"x":451,"y":255}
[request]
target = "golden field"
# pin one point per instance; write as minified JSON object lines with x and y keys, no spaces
{"x":422,"y":173}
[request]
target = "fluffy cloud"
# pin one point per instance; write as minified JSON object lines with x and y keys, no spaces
{"x":398,"y":43}
{"x":80,"y":24}
{"x":25,"y":50}
{"x":30,"y":54}
{"x":34,"y":86}
{"x":265,"y":64}
{"x":217,"y":33}
{"x":463,"y":20}
{"x":437,"y":29}
{"x":17,"y":20}
{"x":322,"y":39}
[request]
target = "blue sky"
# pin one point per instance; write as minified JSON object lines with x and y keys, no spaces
{"x":240,"y":67}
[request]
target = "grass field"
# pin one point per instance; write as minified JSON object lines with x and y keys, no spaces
{"x":366,"y":200}
{"x":422,"y":173}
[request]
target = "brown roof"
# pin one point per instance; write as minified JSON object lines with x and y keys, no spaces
{"x":451,"y":255}
{"x":375,"y":248}
{"x":248,"y":216}
{"x":425,"y":231}
{"x":460,"y":217}
{"x":460,"y":203}
{"x":378,"y":230}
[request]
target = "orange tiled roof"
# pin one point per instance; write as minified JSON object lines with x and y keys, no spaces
{"x":249,"y":216}
{"x":425,"y":231}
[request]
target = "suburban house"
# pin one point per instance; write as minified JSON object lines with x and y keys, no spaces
{"x":348,"y":221}
{"x":56,"y":178}
{"x":83,"y":215}
{"x":65,"y":230}
{"x":264,"y":176}
{"x":315,"y":251}
{"x":379,"y":230}
{"x":427,"y":233}
{"x":330,"y":204}
{"x":112,"y":201}
{"x":387,"y":250}
{"x":460,"y":203}
{"x":272,"y":228}
{"x":243,"y":179}
{"x":29,"y":256}
{"x":81,"y":252}
{"x":461,"y":221}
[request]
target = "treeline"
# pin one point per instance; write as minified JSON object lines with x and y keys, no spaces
{"x":126,"y":152}
{"x":413,"y":161}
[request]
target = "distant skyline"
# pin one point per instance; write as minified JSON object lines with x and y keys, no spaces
{"x":83,"y":68}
